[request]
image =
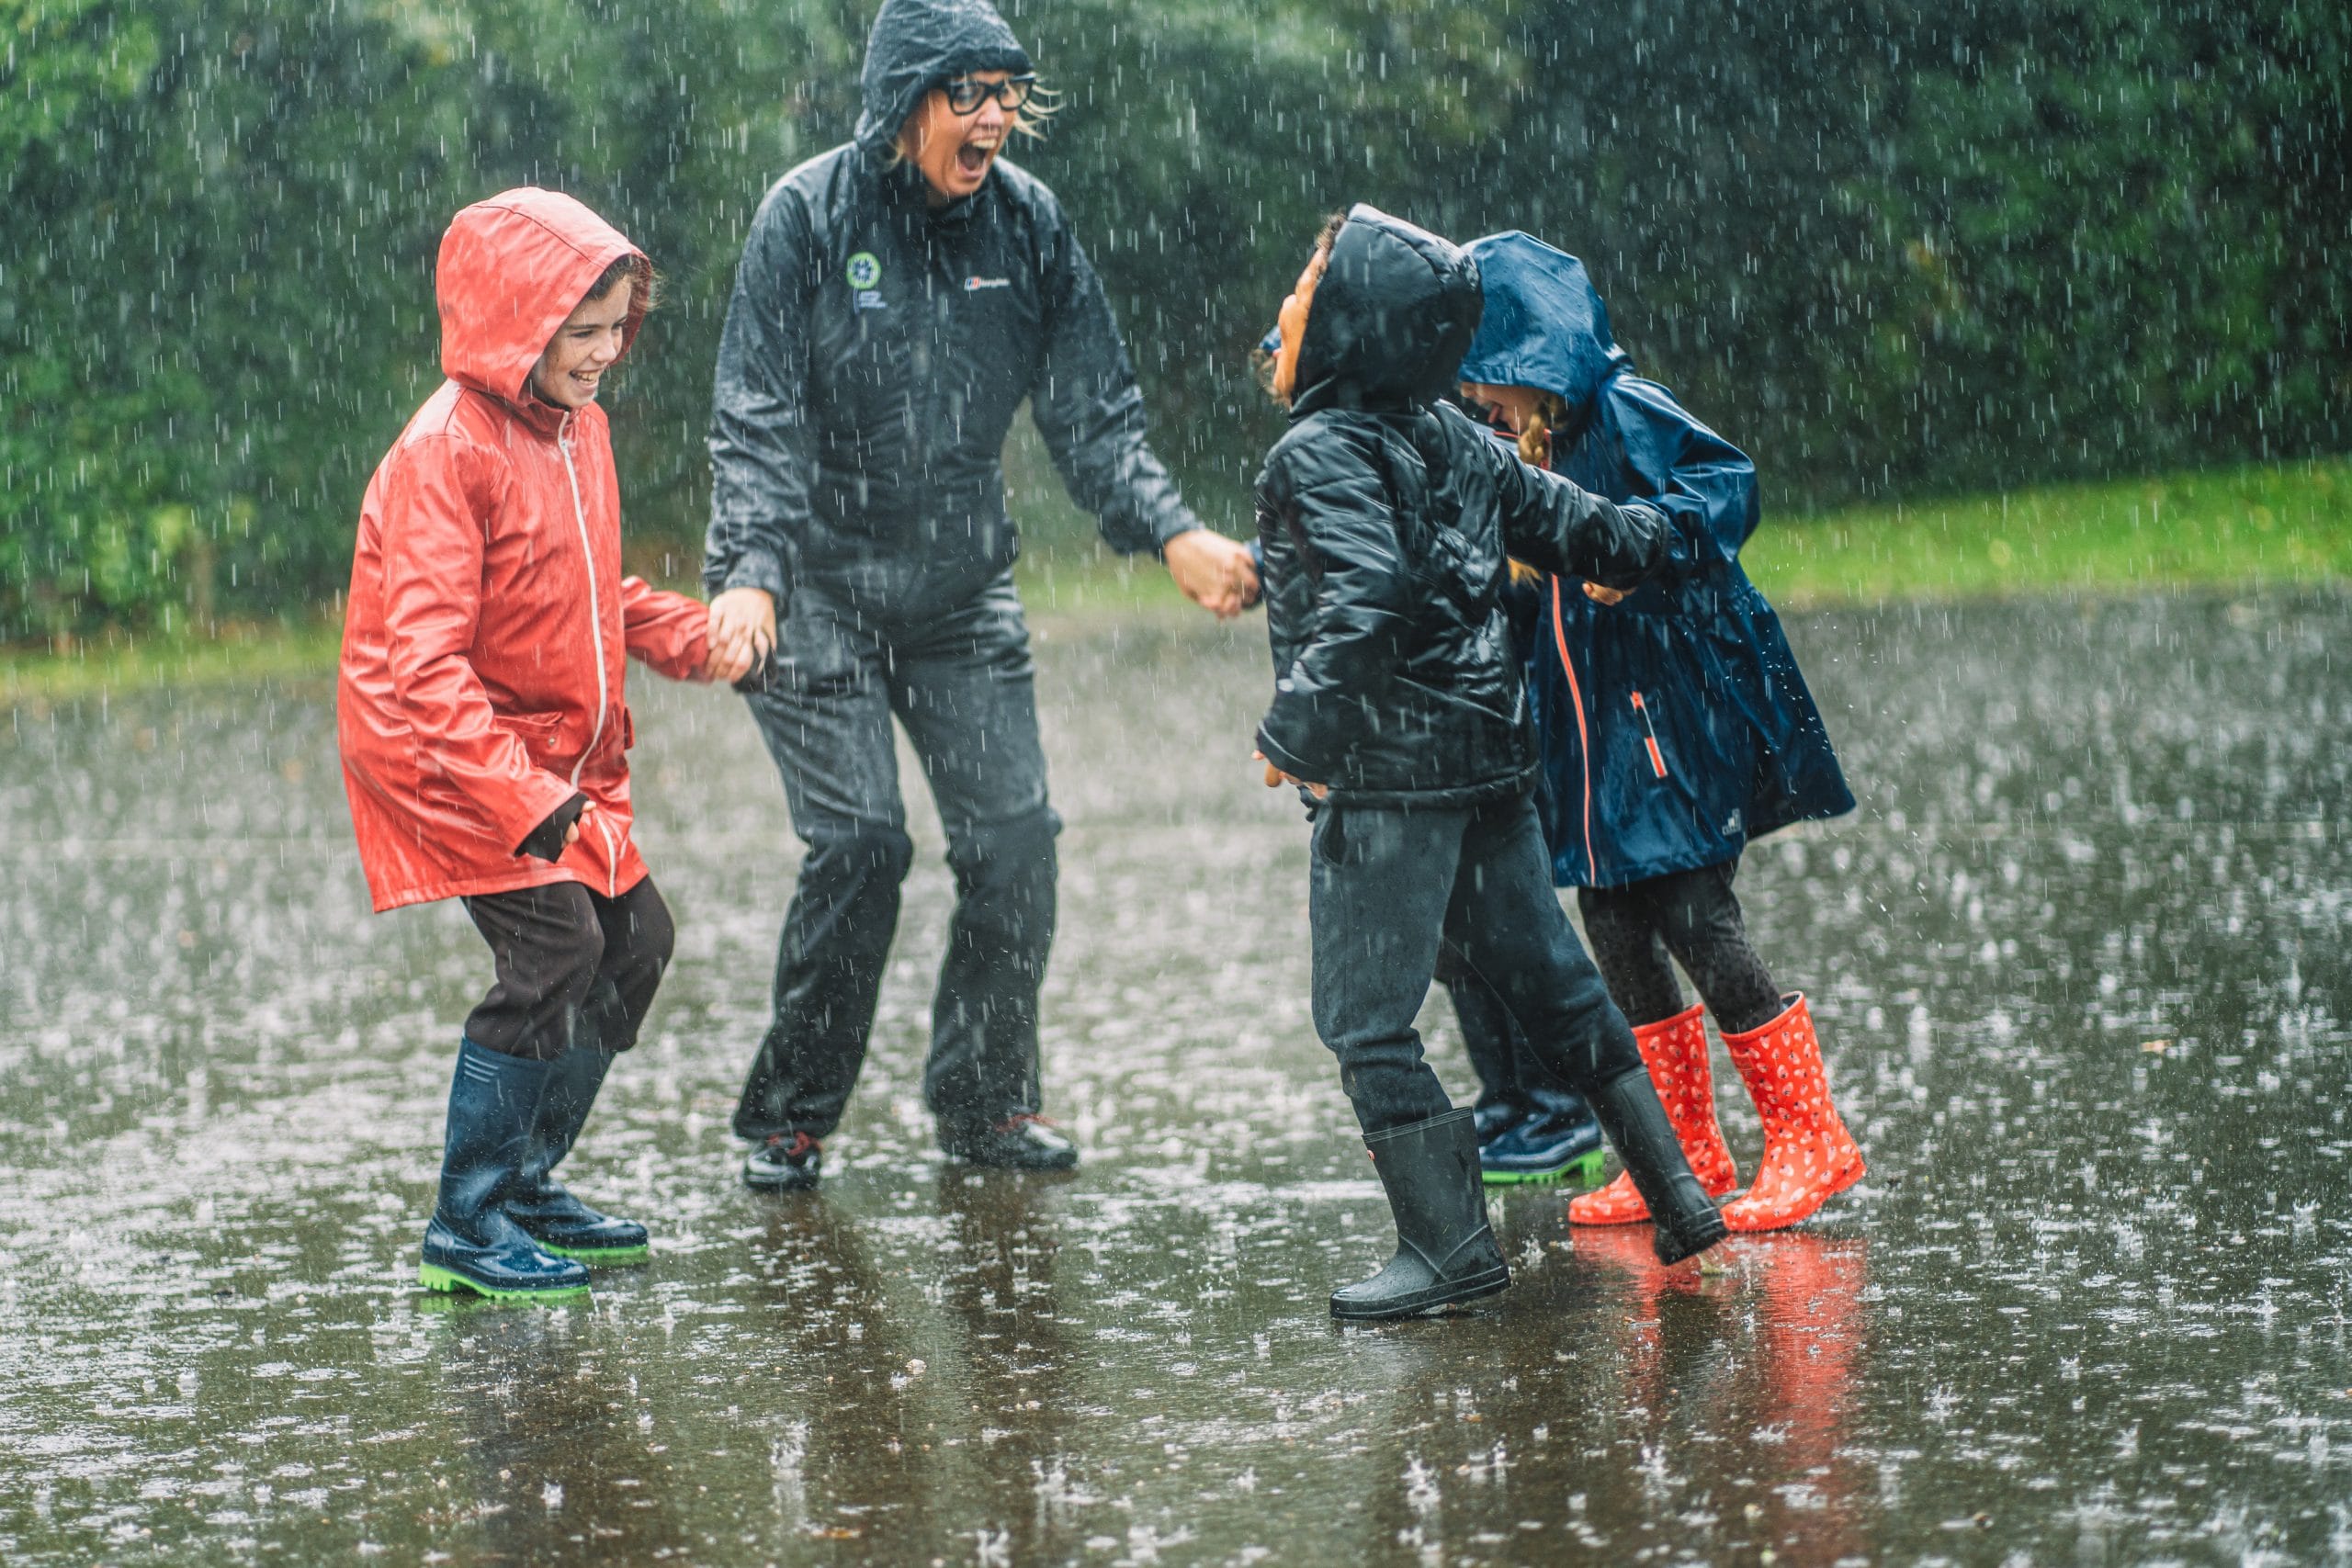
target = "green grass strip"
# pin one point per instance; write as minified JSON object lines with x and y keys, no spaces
{"x":2235,"y":529}
{"x":2250,"y":527}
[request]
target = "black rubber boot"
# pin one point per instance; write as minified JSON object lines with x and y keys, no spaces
{"x":470,"y":1243}
{"x":559,"y":1222}
{"x":1687,"y":1219}
{"x":1445,"y":1250}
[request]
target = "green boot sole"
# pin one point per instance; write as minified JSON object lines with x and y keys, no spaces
{"x":601,"y":1256}
{"x":1585,"y":1171}
{"x":432,"y":1276}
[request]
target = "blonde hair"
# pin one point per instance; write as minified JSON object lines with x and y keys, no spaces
{"x":1535,"y":440}
{"x":1535,"y":450}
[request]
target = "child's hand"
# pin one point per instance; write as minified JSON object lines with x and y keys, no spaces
{"x":1599,"y":596}
{"x":742,"y":632}
{"x":1214,"y":571}
{"x":1276,"y":778}
{"x":571,"y":833}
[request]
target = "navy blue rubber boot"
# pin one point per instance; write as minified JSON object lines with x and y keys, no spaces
{"x":559,"y":1222}
{"x":470,"y":1243}
{"x":1555,"y":1139}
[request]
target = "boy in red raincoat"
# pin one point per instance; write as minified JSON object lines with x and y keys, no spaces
{"x":483,"y":727}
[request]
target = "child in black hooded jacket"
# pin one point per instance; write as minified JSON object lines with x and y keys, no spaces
{"x":1386,"y":520}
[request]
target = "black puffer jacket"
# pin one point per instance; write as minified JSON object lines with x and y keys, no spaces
{"x":1387,"y":520}
{"x":875,"y":351}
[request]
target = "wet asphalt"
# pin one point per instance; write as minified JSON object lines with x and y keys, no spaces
{"x":2080,"y":965}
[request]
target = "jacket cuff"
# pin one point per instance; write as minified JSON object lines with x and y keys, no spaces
{"x":752,"y":569}
{"x":546,"y":841}
{"x":1633,"y":518}
{"x":1288,"y":761}
{"x":1175,"y":520}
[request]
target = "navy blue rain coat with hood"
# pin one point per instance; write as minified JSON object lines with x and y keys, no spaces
{"x":1675,"y":725}
{"x":876,"y":349}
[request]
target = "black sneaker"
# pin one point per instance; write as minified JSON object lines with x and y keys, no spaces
{"x":785,"y":1163}
{"x":1022,"y":1141}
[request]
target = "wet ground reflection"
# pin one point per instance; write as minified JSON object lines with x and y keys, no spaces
{"x":2081,"y":971}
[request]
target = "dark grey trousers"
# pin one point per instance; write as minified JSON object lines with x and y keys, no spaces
{"x":1387,"y":888}
{"x":961,"y":685}
{"x":573,"y":967}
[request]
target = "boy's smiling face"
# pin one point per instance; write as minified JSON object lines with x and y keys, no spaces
{"x":584,"y":348}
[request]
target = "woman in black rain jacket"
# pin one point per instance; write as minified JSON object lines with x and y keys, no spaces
{"x":899,"y":297}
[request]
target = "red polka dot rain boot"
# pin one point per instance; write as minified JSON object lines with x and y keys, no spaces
{"x":1808,"y":1155}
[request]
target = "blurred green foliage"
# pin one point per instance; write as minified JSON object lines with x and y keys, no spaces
{"x":1894,"y":252}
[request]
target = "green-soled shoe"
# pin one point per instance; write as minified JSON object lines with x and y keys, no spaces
{"x":1584,"y":1171}
{"x":601,"y":1256}
{"x":433,"y":1277}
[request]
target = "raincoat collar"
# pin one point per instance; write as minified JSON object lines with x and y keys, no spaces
{"x":511,"y":270}
{"x":908,"y":195}
{"x":1395,"y":307}
{"x":917,"y":44}
{"x":1545,"y":326}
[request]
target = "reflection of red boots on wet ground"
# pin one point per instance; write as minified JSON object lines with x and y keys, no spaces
{"x":1786,"y":1393}
{"x":1809,"y":1157}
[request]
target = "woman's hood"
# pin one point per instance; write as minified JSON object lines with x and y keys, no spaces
{"x":1544,"y":325}
{"x":1389,"y":321}
{"x":512,"y":268}
{"x":916,"y":45}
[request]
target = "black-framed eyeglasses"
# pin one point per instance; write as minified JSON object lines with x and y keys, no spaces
{"x":965,"y":93}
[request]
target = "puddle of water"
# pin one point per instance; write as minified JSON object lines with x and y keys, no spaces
{"x":2079,"y":964}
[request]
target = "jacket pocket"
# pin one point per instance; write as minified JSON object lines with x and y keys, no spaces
{"x":1650,"y":735}
{"x":538,"y":732}
{"x":1331,"y":836}
{"x":629,"y":728}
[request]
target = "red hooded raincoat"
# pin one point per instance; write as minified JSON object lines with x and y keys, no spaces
{"x":484,"y":648}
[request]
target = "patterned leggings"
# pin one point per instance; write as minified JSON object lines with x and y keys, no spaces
{"x":1687,"y":916}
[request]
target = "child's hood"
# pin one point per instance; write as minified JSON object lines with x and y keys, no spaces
{"x":917,"y":44}
{"x":1544,"y":325}
{"x":1390,"y":318}
{"x":511,"y":269}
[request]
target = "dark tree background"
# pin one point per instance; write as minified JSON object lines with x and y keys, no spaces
{"x":1890,"y":249}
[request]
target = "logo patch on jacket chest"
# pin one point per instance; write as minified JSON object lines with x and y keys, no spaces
{"x":865,"y":270}
{"x":973,"y":285}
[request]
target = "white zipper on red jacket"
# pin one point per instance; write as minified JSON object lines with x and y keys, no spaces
{"x":595,"y":631}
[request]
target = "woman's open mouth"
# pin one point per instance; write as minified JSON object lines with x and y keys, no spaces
{"x":972,"y":158}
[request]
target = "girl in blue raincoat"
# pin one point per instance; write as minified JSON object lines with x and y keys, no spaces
{"x":1676,"y":727}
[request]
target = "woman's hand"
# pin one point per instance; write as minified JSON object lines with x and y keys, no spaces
{"x":1214,"y":571}
{"x":743,"y":633}
{"x":1276,"y":778}
{"x":1599,"y":596}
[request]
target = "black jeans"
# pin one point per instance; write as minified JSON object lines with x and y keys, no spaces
{"x":961,"y":685}
{"x":1387,"y":890}
{"x":1691,"y":917}
{"x":574,"y":968}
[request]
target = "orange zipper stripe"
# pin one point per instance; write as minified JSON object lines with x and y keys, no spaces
{"x":1584,"y":743}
